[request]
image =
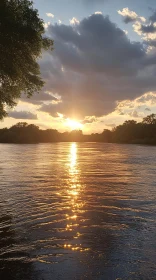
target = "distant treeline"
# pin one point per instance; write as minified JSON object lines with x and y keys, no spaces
{"x":129,"y":132}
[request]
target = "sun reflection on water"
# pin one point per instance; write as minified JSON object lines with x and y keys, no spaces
{"x":75,"y":204}
{"x":73,"y":158}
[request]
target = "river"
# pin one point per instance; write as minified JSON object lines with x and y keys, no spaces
{"x":77,"y":211}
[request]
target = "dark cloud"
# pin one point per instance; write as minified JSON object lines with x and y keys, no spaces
{"x":22,"y":115}
{"x":151,"y":43}
{"x":38,"y":98}
{"x":93,"y":65}
{"x":148,"y":28}
{"x":96,"y":45}
{"x":152,"y":18}
{"x":77,"y":108}
{"x":128,"y":19}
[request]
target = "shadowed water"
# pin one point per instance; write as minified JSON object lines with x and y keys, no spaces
{"x":77,"y":211}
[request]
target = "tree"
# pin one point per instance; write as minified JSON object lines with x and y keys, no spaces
{"x":151,"y":119}
{"x":106,"y":135}
{"x":19,"y":125}
{"x":130,"y":122}
{"x":21,"y":43}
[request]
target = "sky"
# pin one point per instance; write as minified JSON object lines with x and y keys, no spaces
{"x":102,"y":70}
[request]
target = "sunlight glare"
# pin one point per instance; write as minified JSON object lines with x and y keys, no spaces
{"x":74,"y":125}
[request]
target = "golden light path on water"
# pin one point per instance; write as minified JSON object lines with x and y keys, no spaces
{"x":73,"y":195}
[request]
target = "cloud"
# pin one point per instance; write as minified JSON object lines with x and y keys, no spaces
{"x":147,"y":31}
{"x":112,"y":125}
{"x":46,"y":24}
{"x":98,"y":13}
{"x":130,"y":16}
{"x":152,"y":18}
{"x":148,"y":28}
{"x":50,"y":15}
{"x":74,"y":21}
{"x":138,"y":106}
{"x":151,"y":43}
{"x":90,"y":119}
{"x":137,"y":27}
{"x":22,"y":115}
{"x":126,"y":32}
{"x":94,"y":65}
{"x":148,"y":109}
{"x":134,"y":114}
{"x":39,"y":98}
{"x":76,"y":108}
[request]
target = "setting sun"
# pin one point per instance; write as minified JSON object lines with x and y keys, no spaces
{"x":73,"y":124}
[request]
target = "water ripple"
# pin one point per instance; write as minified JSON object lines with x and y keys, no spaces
{"x":77,"y":211}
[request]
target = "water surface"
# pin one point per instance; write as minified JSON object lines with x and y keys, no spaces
{"x":77,"y":211}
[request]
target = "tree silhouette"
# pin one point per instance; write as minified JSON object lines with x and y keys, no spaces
{"x":129,"y":122}
{"x":151,"y":119}
{"x":129,"y":132}
{"x":21,"y":43}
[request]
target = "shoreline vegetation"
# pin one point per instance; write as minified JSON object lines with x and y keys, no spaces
{"x":130,"y":132}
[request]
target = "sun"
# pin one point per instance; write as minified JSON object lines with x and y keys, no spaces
{"x":73,"y":124}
